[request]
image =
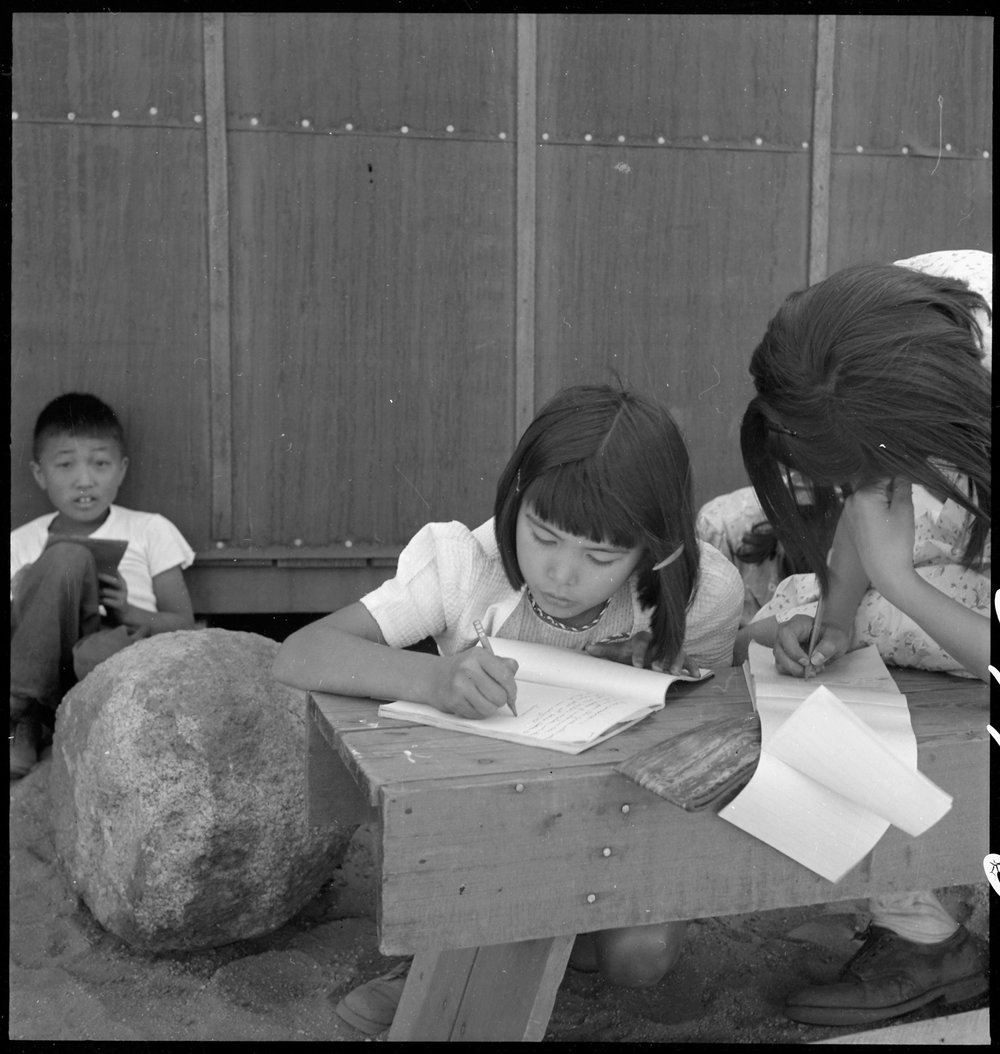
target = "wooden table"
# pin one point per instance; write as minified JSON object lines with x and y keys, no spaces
{"x":493,"y":855}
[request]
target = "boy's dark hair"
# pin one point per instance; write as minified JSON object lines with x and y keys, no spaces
{"x":606,"y":464}
{"x":875,"y":372}
{"x":77,"y":414}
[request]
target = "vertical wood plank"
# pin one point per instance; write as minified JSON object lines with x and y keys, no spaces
{"x":218,"y":276}
{"x":488,"y":994}
{"x":333,"y":797}
{"x":527,"y":100}
{"x":512,"y":990}
{"x":819,"y":203}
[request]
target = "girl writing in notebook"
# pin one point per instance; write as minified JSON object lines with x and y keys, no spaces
{"x":874,"y":385}
{"x":592,"y":539}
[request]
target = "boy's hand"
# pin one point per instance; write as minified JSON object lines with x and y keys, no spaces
{"x":114,"y":595}
{"x":790,"y":656}
{"x":475,"y":684}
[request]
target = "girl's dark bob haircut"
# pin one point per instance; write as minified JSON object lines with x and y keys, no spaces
{"x":606,"y":464}
{"x":872,"y":374}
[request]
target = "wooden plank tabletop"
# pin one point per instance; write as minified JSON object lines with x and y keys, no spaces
{"x":382,"y":752}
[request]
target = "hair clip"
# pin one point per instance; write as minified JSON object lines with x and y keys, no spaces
{"x":670,"y":559}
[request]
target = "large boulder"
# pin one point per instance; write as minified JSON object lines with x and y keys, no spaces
{"x":178,"y":793}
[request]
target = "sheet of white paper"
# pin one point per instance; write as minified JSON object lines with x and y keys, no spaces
{"x":860,"y":679}
{"x":890,"y":723}
{"x":826,"y":788}
{"x":824,"y":739}
{"x":826,"y":833}
{"x":575,"y":669}
{"x":543,"y":712}
{"x":854,"y":672}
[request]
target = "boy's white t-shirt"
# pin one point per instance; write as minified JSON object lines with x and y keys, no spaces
{"x":154,"y":545}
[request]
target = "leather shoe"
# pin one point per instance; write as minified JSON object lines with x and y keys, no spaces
{"x":371,"y":1007}
{"x":889,"y":976}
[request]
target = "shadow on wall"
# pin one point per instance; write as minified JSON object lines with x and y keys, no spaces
{"x":279,"y":625}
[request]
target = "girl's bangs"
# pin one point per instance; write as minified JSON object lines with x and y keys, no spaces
{"x":573,"y":498}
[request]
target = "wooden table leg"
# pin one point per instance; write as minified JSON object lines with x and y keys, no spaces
{"x":332,"y":795}
{"x":500,"y":992}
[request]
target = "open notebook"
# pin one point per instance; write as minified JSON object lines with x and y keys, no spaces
{"x":566,"y":700}
{"x":838,"y":763}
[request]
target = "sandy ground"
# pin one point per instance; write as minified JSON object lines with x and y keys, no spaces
{"x":72,"y":980}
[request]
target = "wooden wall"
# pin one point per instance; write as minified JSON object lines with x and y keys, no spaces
{"x":327,"y":265}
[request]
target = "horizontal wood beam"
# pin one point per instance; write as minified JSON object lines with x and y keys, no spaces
{"x":272,"y":588}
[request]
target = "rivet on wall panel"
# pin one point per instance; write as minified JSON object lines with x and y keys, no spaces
{"x":71,"y":116}
{"x":349,"y":127}
{"x":502,"y":135}
{"x":449,"y":128}
{"x":621,"y":139}
{"x":626,"y":808}
{"x":660,"y":139}
{"x":605,"y":851}
{"x":905,"y":150}
{"x":519,"y":788}
{"x":805,"y":145}
{"x":545,"y":136}
{"x":947,"y":146}
{"x":116,"y":114}
{"x":986,"y":154}
{"x":860,"y":149}
{"x":220,"y":545}
{"x":704,"y":138}
{"x":588,"y":137}
{"x":153,"y":111}
{"x":297,"y":542}
{"x":591,"y":897}
{"x":304,"y":122}
{"x":758,"y":140}
{"x":255,"y":121}
{"x":348,"y":543}
{"x":13,"y":115}
{"x":404,"y":129}
{"x":197,"y":118}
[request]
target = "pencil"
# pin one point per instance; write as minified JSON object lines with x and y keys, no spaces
{"x":814,"y":635}
{"x":485,"y":641}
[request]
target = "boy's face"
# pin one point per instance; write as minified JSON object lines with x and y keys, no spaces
{"x":81,"y":476}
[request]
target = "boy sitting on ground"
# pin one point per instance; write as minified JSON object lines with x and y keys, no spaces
{"x":66,"y":615}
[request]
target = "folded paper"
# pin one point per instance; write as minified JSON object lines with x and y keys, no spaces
{"x":837,"y":767}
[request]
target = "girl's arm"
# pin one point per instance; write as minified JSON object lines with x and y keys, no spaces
{"x":345,"y":653}
{"x":848,"y":584}
{"x":880,"y":520}
{"x":173,"y":602}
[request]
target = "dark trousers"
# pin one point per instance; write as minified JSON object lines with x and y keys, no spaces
{"x":57,"y":633}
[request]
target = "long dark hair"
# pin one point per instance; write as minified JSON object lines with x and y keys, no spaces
{"x":607,"y":464}
{"x":874,"y":372}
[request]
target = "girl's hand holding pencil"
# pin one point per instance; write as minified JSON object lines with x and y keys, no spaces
{"x":476,"y":684}
{"x":804,"y":645}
